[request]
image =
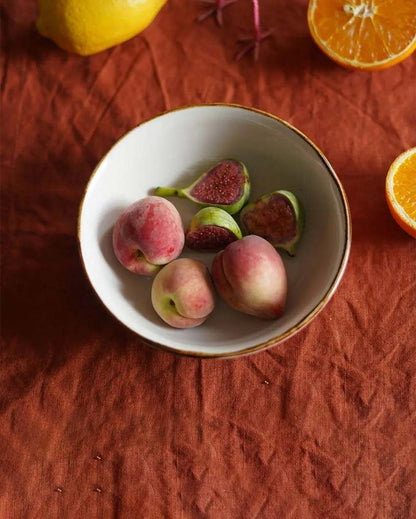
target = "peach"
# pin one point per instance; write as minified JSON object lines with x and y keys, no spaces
{"x":182,"y":293}
{"x":148,"y":234}
{"x":250,"y":276}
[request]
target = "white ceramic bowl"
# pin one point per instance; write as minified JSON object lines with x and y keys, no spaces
{"x":172,"y":150}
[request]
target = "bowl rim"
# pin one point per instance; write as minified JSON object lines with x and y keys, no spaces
{"x":302,"y":322}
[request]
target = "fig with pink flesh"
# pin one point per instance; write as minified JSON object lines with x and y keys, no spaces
{"x":226,"y":185}
{"x":277,"y":217}
{"x":212,"y":229}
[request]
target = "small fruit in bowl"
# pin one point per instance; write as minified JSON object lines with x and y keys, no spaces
{"x":226,"y":185}
{"x":276,"y":217}
{"x":147,"y":235}
{"x":211,"y":229}
{"x":182,"y":293}
{"x":250,"y":276}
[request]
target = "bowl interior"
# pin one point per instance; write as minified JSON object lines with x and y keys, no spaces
{"x":172,"y":150}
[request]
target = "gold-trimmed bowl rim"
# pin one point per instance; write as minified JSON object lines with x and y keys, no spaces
{"x":307,"y":318}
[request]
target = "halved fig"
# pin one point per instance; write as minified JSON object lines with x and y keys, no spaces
{"x":212,"y":229}
{"x":277,"y":217}
{"x":226,"y":185}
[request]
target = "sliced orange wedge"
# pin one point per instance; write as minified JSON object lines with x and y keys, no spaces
{"x":401,"y":191}
{"x":364,"y":34}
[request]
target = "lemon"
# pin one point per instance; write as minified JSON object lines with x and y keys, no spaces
{"x":89,"y":26}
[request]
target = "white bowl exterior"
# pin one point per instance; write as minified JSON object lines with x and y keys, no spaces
{"x":172,"y":150}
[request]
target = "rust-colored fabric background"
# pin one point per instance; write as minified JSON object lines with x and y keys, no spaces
{"x":94,"y":424}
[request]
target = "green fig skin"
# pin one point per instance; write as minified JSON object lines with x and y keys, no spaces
{"x":187,"y":192}
{"x":253,"y":225}
{"x":212,"y":229}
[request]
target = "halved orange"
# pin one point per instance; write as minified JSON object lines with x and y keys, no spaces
{"x":401,"y":191}
{"x":364,"y":34}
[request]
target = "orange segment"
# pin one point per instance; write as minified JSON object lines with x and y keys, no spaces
{"x":401,"y":191}
{"x":364,"y":34}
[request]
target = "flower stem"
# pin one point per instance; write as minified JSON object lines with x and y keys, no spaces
{"x":256,"y":15}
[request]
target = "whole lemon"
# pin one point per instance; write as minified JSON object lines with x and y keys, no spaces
{"x":89,"y":26}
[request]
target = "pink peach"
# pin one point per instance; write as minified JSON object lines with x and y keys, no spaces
{"x":148,"y":234}
{"x":182,"y":293}
{"x":250,"y":276}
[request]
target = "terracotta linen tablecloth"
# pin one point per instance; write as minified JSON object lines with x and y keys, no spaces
{"x":95,"y":424}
